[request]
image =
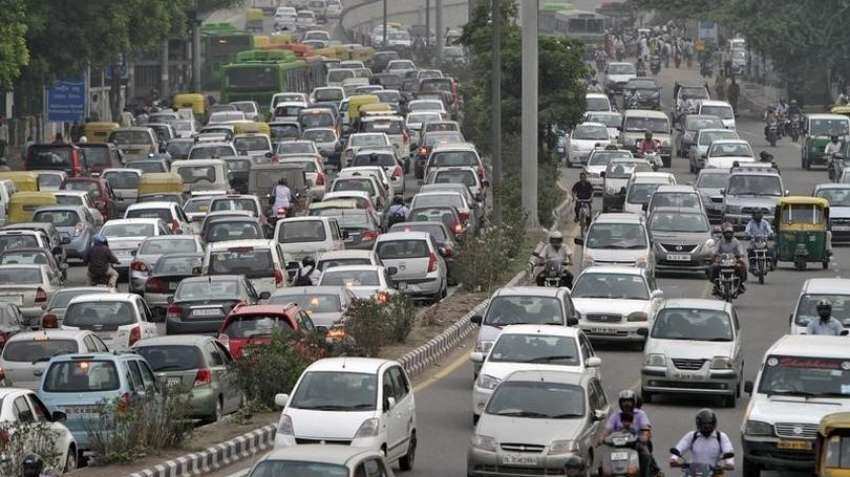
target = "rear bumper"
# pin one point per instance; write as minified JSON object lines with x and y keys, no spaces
{"x":422,"y":287}
{"x":177,"y":327}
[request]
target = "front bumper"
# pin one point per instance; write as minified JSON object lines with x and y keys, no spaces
{"x":623,"y":331}
{"x":764,"y":451}
{"x":481,"y":463}
{"x":659,"y":379}
{"x":696,"y":262}
{"x":840,"y":230}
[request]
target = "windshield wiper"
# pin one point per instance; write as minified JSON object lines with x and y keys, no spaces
{"x":566,"y":415}
{"x":719,"y":338}
{"x":549,"y":358}
{"x":326,"y":407}
{"x":170,"y":367}
{"x":522,"y":414}
{"x":782,"y":392}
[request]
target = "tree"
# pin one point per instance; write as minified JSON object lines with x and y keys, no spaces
{"x":14,"y":53}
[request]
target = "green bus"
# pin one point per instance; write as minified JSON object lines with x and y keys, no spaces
{"x":260,"y":80}
{"x":221,"y":43}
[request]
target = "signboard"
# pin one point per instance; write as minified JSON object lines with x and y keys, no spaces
{"x":708,"y":31}
{"x":66,"y":101}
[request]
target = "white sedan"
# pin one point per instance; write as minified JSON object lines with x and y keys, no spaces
{"x":22,"y":411}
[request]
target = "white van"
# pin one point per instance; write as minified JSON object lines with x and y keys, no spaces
{"x":202,"y":174}
{"x":301,"y":237}
{"x":7,"y":188}
{"x":802,"y":379}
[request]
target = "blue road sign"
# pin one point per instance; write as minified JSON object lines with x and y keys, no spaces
{"x":66,"y":101}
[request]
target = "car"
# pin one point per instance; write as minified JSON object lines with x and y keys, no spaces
{"x":702,"y":141}
{"x":596,"y":102}
{"x":314,"y":171}
{"x":400,"y":66}
{"x":415,"y":121}
{"x":250,"y":108}
{"x":613,"y":120}
{"x":365,"y":281}
{"x":199,"y":365}
{"x":76,"y":384}
{"x":681,"y":196}
{"x":585,"y":138}
{"x":335,"y":258}
{"x":33,"y":234}
{"x":464,"y":176}
{"x":359,"y":227}
{"x":721,"y":109}
{"x":164,"y":277}
{"x":184,"y":129}
{"x":75,"y":225}
{"x":800,"y":380}
{"x":342,"y":461}
{"x":325,"y":305}
{"x":728,"y":153}
{"x":686,"y":98}
{"x":80,"y":199}
{"x":710,"y":184}
{"x":54,"y":312}
{"x":232,"y":225}
{"x":326,"y":140}
{"x":835,"y":290}
{"x":305,"y":236}
{"x":617,"y":75}
{"x":33,"y":256}
{"x":261,"y":261}
{"x":532,"y":348}
{"x":365,"y":390}
{"x":636,"y":122}
{"x":125,"y":235}
{"x":618,"y":239}
{"x":169,"y":212}
{"x":149,"y":251}
{"x":119,"y":319}
{"x":749,"y":189}
{"x":421,"y":270}
{"x":597,"y":163}
{"x":695,"y":348}
{"x":688,"y":128}
{"x":618,"y":173}
{"x":838,"y":196}
{"x":682,"y":239}
{"x":295,"y":148}
{"x":356,"y":141}
{"x":393,"y":126}
{"x":101,"y":192}
{"x":250,"y":325}
{"x":817,"y":130}
{"x":22,"y":407}
{"x":241,"y":202}
{"x":444,"y":239}
{"x":255,"y":145}
{"x":641,"y":186}
{"x":29,"y":287}
{"x":201,"y":303}
{"x":468,"y":212}
{"x":561,"y":414}
{"x":387,"y":160}
{"x":518,"y":306}
{"x":25,"y":355}
{"x":614,"y":302}
{"x":435,"y":105}
{"x":642,"y":93}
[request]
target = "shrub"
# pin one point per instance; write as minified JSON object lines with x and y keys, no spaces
{"x":401,"y":315}
{"x":17,"y":440}
{"x":366,"y":324}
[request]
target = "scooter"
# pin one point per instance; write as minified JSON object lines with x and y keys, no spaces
{"x":694,"y":469}
{"x":620,"y":457}
{"x":655,"y":64}
{"x":554,"y":273}
{"x":772,"y":133}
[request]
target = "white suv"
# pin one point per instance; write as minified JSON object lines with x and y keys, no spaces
{"x":361,"y":402}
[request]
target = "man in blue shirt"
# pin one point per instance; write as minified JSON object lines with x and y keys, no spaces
{"x":637,"y":422}
{"x":758,"y":227}
{"x":825,"y":324}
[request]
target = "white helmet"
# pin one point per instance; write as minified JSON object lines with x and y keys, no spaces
{"x":556,"y":236}
{"x":83,"y":140}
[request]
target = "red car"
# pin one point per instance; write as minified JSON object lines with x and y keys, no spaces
{"x":101,"y":193}
{"x":254,"y":324}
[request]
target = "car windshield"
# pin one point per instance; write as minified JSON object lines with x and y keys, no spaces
{"x":122,"y":138}
{"x":836,"y":197}
{"x":595,"y":103}
{"x":688,"y":200}
{"x":609,"y":120}
{"x":249,"y":261}
{"x":518,"y":310}
{"x":692,"y":324}
{"x":829,"y":127}
{"x":742,"y":184}
{"x":148,"y":166}
{"x":695,"y":123}
{"x":336,"y":391}
{"x":193,"y":174}
{"x":22,"y":257}
{"x":350,"y":278}
{"x":616,"y":236}
{"x":693,"y":92}
{"x":311,"y":302}
{"x":328,"y":94}
{"x":621,"y":69}
{"x":66,"y":199}
{"x":712,"y":181}
{"x":805,"y":376}
{"x":122,"y":180}
{"x":641,"y":124}
{"x":537,"y":348}
{"x":150,"y":213}
{"x":202,"y":290}
{"x":388,"y":97}
{"x":128,"y":230}
{"x":587,"y":132}
{"x":46,"y":181}
{"x":537,"y":400}
{"x":249,"y":326}
{"x":79,"y":376}
{"x":322,"y":119}
{"x":402,"y":249}
{"x":301,"y":231}
{"x":374,"y":159}
{"x":37,"y":350}
{"x":641,"y":84}
{"x":624,"y":169}
{"x":723,"y":112}
{"x":211,"y":152}
{"x":11,"y":275}
{"x":164,"y":358}
{"x":807,"y":308}
{"x":730,"y":150}
{"x":678,"y":222}
{"x":338,"y":75}
{"x":252,"y":143}
{"x":246,"y":204}
{"x":99,"y":315}
{"x":602,"y":158}
{"x":707,"y":137}
{"x":163,"y":246}
{"x":59,"y":218}
{"x":280,"y":468}
{"x":640,"y":193}
{"x":10,"y":242}
{"x":611,"y":286}
{"x":292,"y":147}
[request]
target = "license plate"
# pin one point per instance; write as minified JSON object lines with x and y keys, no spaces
{"x":402,"y":286}
{"x":619,"y":456}
{"x":13,"y":299}
{"x":80,"y":409}
{"x":514,"y":459}
{"x":603,"y":331}
{"x":841,"y":228}
{"x":796,"y":445}
{"x":206,"y":312}
{"x":688,"y":376}
{"x":174,"y":381}
{"x":679,"y":257}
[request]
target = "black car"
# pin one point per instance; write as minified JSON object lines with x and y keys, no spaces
{"x":200,"y":304}
{"x":642,"y":93}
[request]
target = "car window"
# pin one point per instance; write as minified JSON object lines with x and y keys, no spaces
{"x":91,"y":347}
{"x":136,"y":375}
{"x":601,"y":400}
{"x":22,"y":410}
{"x":305,"y":322}
{"x":388,"y":389}
{"x":400,"y":383}
{"x":225,"y":354}
{"x":147,"y":375}
{"x":41,"y":412}
{"x":213,"y":351}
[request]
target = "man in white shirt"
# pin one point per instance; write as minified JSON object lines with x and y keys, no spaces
{"x":706,"y":444}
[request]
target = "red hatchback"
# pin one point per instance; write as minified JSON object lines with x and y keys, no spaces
{"x":254,"y":324}
{"x":100,"y":191}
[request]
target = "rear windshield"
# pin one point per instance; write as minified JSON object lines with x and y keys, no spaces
{"x":148,"y":166}
{"x":454,"y":158}
{"x":99,"y":316}
{"x":320,"y":135}
{"x":69,"y":200}
{"x":49,"y":181}
{"x":353,"y":184}
{"x":164,"y":214}
{"x":207,"y":290}
{"x":170,"y":265}
{"x":127,"y":230}
{"x":36,"y":350}
{"x":280,"y":132}
{"x":444,"y":200}
{"x":81,"y":376}
{"x":84,"y":186}
{"x":340,"y":262}
{"x":436,"y":231}
{"x":195,"y":174}
{"x":350,"y":278}
{"x":252,"y":143}
{"x":256,"y":325}
{"x":295,"y":148}
{"x":19,"y":275}
{"x":122,"y":180}
{"x":211,"y":152}
{"x":400,"y":249}
{"x":311,"y":303}
{"x":63,"y":297}
{"x":49,"y":157}
{"x":248,"y":261}
{"x":249,"y":205}
{"x":24,"y":257}
{"x":301,"y":231}
{"x":323,"y":119}
{"x":328,"y":94}
{"x":384,"y":160}
{"x":383,"y":126}
{"x":161,"y":246}
{"x":465,"y":177}
{"x":172,"y":358}
{"x":130,"y":137}
{"x":241,"y":230}
{"x":368,"y":140}
{"x":59,"y":218}
{"x":10,"y":242}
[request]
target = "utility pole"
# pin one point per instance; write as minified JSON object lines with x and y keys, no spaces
{"x":496,"y":98}
{"x":528,"y":13}
{"x":196,"y":55}
{"x":384,"y":42}
{"x":163,"y":70}
{"x":440,"y":36}
{"x":428,"y":23}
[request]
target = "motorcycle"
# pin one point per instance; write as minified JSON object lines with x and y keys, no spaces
{"x":655,"y":64}
{"x":695,"y":469}
{"x":620,"y":455}
{"x":706,"y":69}
{"x":554,"y":273}
{"x":728,"y":282}
{"x":654,"y":160}
{"x":794,"y":127}
{"x":772,"y":133}
{"x":760,"y":264}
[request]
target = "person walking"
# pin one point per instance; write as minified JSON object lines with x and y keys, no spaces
{"x":733,"y":91}
{"x":720,"y":87}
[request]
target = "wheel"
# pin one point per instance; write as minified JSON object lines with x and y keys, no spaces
{"x":219,"y":412}
{"x":70,"y":460}
{"x":445,"y":291}
{"x":646,"y":396}
{"x":729,"y":401}
{"x":406,"y":461}
{"x":751,"y":469}
{"x":800,"y":264}
{"x":806,"y":164}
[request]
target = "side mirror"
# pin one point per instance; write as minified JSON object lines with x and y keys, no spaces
{"x":345,"y":235}
{"x":389,"y":403}
{"x":132,"y":252}
{"x":748,"y":387}
{"x":578,"y":241}
{"x":572,"y":321}
{"x":476,"y":319}
{"x":58,"y":416}
{"x":281,"y":399}
{"x":66,"y":240}
{"x":392,"y":271}
{"x":593,"y":362}
{"x":643,"y":332}
{"x":265,"y":295}
{"x":477,"y":357}
{"x":657,"y":294}
{"x":599,"y":415}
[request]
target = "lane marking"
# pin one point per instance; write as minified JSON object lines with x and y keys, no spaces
{"x":446,"y":371}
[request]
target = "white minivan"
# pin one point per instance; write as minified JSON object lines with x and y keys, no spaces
{"x":301,"y":237}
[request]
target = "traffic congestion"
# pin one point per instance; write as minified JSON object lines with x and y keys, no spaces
{"x":688,"y":314}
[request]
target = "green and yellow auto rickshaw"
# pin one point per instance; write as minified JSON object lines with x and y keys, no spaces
{"x":802,"y":231}
{"x":832,"y":446}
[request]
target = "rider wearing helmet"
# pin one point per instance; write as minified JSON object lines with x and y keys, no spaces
{"x":635,"y":421}
{"x":706,"y":444}
{"x":728,"y":245}
{"x":554,"y":250}
{"x":826,"y":324}
{"x":758,"y":227}
{"x":648,"y":145}
{"x":398,"y":211}
{"x":304,"y":276}
{"x":100,"y":260}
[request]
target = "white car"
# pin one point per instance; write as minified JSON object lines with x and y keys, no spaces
{"x":363,"y":140}
{"x":615,"y":303}
{"x":305,"y":19}
{"x":261,"y":261}
{"x":836,"y":290}
{"x":119,"y":319}
{"x":393,"y":126}
{"x":585,"y":138}
{"x":598,"y":102}
{"x":125,"y":235}
{"x":532,"y":348}
{"x":721,"y":109}
{"x":598,"y":161}
{"x":365,"y":281}
{"x":617,"y":74}
{"x":23,"y":406}
{"x":360,"y":402}
{"x":420,"y":269}
{"x":725,"y":153}
{"x":618,"y":239}
{"x":168,"y":212}
{"x":301,"y":237}
{"x":641,"y":186}
{"x":377,"y":172}
{"x":432,"y":105}
{"x":25,"y":355}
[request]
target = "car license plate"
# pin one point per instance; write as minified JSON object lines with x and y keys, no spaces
{"x":603,"y":331}
{"x":679,"y":257}
{"x":841,"y":228}
{"x":688,"y":376}
{"x":206,"y":312}
{"x":402,"y":286}
{"x":80,"y":409}
{"x":795,"y":445}
{"x":174,"y":381}
{"x":13,"y":299}
{"x":619,"y":456}
{"x":515,"y":459}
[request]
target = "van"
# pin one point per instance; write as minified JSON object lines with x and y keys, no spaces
{"x":301,"y":237}
{"x":393,"y":127}
{"x":836,"y":290}
{"x":56,"y":156}
{"x":635,"y":124}
{"x":801,"y":379}
{"x":202,"y":174}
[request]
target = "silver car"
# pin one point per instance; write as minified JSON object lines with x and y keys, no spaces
{"x":25,"y":355}
{"x":125,"y":236}
{"x":29,"y":287}
{"x":681,"y":239}
{"x":699,"y":149}
{"x":694,"y":347}
{"x":709,"y":184}
{"x":54,"y":314}
{"x":326,"y":140}
{"x":535,"y":422}
{"x":326,"y":305}
{"x":321,"y":459}
{"x":152,"y":248}
{"x":420,"y":268}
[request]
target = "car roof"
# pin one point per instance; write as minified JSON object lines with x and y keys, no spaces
{"x":646,"y":113}
{"x":675,"y":188}
{"x":832,"y":185}
{"x":133,"y":221}
{"x":556,"y":330}
{"x":310,"y":290}
{"x":403,"y":236}
{"x":196,"y":340}
{"x":678,"y":210}
{"x":90,"y":297}
{"x":152,"y":205}
{"x":325,"y":454}
{"x":826,"y":116}
{"x":700,"y":303}
{"x":594,"y":124}
{"x":826,"y":286}
{"x":456,"y":146}
{"x":352,"y":365}
{"x":730,"y":141}
{"x":337,"y":254}
{"x":811,"y":346}
{"x":714,"y":102}
{"x":160,"y":238}
{"x":560,"y":377}
{"x":228,"y":244}
{"x":48,"y":334}
{"x":650,"y":176}
{"x":527,"y":291}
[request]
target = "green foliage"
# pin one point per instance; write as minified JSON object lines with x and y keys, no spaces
{"x":401,"y":314}
{"x":370,"y":324}
{"x":14,"y":53}
{"x":27,"y":438}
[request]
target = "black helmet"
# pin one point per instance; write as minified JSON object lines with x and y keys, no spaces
{"x":628,"y":395}
{"x":824,"y":304}
{"x":308,"y":262}
{"x":706,"y":417}
{"x":32,"y":465}
{"x":834,"y":138}
{"x":398,"y":200}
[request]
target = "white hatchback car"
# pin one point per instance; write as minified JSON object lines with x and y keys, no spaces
{"x":24,"y":406}
{"x":261,"y":261}
{"x":169,"y":212}
{"x":119,"y":319}
{"x":420,"y":268}
{"x":301,"y":237}
{"x":361,"y":402}
{"x":618,"y":239}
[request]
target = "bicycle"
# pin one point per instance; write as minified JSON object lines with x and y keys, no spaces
{"x":584,"y":215}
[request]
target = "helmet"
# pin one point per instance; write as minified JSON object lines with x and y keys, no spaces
{"x":824,"y":303}
{"x":706,"y":417}
{"x":308,"y":262}
{"x":398,"y":200}
{"x":834,"y":138}
{"x":627,"y":395}
{"x":32,"y":465}
{"x":100,"y":239}
{"x":647,"y":133}
{"x":556,"y":238}
{"x":83,"y":140}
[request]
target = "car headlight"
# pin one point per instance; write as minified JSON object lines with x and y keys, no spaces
{"x":655,"y":359}
{"x":758,"y":428}
{"x":488,"y":382}
{"x":637,"y":316}
{"x":722,"y":362}
{"x":284,"y":427}
{"x":369,"y":428}
{"x":564,"y":446}
{"x":641,"y":262}
{"x":485,"y":443}
{"x":483,"y":346}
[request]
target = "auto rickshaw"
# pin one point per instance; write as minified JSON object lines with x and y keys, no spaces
{"x":802,"y":231}
{"x":98,"y":132}
{"x":196,"y":101}
{"x":23,"y":204}
{"x":160,"y":183}
{"x":357,"y":101}
{"x":263,"y":178}
{"x":833,"y":438}
{"x":25,"y":181}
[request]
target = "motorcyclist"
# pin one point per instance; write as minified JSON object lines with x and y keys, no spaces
{"x":304,"y":276}
{"x":648,"y":145}
{"x":729,"y":245}
{"x":635,"y":421}
{"x":554,"y":250}
{"x":832,"y":147}
{"x":706,"y":444}
{"x":282,"y":196}
{"x":397,"y":212}
{"x":826,"y":324}
{"x":758,"y":227}
{"x":582,"y":191}
{"x":771,"y":119}
{"x":594,"y":86}
{"x":640,"y":67}
{"x":100,"y":260}
{"x":794,"y":108}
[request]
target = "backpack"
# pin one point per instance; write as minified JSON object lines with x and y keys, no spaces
{"x":695,"y":435}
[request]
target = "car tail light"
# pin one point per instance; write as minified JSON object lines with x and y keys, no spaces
{"x":78,"y":229}
{"x":398,"y":172}
{"x":175,"y":227}
{"x":369,"y":235}
{"x":50,"y":321}
{"x":173,"y":312}
{"x":481,"y":172}
{"x":278,"y":277}
{"x":123,"y":402}
{"x":203,"y":377}
{"x":224,"y":339}
{"x":156,"y":285}
{"x":463,"y":216}
{"x":40,"y":295}
{"x":138,"y":266}
{"x":432,"y":262}
{"x":448,"y":252}
{"x":135,"y":335}
{"x":320,"y":179}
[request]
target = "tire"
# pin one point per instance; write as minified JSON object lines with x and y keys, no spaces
{"x":407,"y":460}
{"x":71,"y":462}
{"x":800,"y":264}
{"x":646,"y":396}
{"x":219,"y":412}
{"x":729,"y":401}
{"x":751,"y":469}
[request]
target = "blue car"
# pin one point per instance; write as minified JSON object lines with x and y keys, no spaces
{"x":77,"y":384}
{"x":75,"y":225}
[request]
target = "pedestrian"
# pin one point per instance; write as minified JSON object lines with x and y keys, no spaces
{"x":733,"y":91}
{"x":720,"y":87}
{"x":76,"y":131}
{"x":27,"y":145}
